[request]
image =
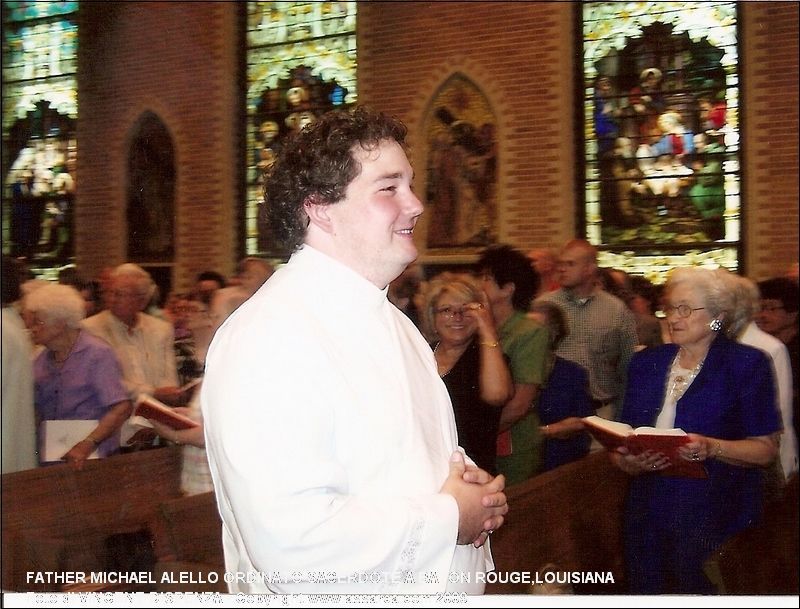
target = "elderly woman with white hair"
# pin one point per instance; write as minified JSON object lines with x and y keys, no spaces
{"x":722,"y":394}
{"x":76,"y":376}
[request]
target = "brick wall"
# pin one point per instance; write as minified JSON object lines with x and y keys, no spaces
{"x":178,"y":60}
{"x":770,"y":132}
{"x":520,"y":55}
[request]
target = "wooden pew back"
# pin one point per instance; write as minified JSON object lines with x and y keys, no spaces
{"x":570,"y":517}
{"x":58,"y":519}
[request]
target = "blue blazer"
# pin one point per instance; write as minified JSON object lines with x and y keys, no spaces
{"x":732,"y":398}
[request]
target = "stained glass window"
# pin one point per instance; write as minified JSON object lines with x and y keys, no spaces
{"x":40,"y":108}
{"x":661,"y":118}
{"x":301,"y":62}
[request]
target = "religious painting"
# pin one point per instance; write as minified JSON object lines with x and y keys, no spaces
{"x":461,"y":168}
{"x":661,"y":127}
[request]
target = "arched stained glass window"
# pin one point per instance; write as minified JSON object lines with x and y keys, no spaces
{"x":661,"y":118}
{"x":301,"y":62}
{"x":40,"y":108}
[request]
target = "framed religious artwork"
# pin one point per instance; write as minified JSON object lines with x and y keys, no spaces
{"x":461,"y":171}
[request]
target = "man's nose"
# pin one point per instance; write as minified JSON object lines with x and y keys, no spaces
{"x":414,"y":206}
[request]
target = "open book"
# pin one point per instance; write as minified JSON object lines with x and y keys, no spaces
{"x":150,"y":408}
{"x":613,"y":434}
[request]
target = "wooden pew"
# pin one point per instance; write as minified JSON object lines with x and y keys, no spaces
{"x":762,"y":559}
{"x":57,"y":519}
{"x":195,"y":562}
{"x":570,"y":517}
{"x":105,"y":517}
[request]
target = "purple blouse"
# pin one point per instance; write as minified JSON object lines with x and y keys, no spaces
{"x":86,"y":386}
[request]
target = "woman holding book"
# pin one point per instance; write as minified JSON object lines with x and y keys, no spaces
{"x":76,"y":378}
{"x":722,"y":394}
{"x":458,"y":320}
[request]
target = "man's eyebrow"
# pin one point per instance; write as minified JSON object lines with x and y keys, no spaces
{"x":395,"y":175}
{"x":389,"y":176}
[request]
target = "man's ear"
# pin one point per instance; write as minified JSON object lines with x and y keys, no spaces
{"x":317,"y":212}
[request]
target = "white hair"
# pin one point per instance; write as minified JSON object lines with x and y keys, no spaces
{"x":748,"y":302}
{"x":717,"y":288}
{"x":56,"y":302}
{"x":136,"y":272}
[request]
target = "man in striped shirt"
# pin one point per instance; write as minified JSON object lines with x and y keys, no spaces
{"x":602,"y":330}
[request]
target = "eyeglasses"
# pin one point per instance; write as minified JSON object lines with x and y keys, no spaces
{"x":450,"y":312}
{"x":683,"y":310}
{"x":126,"y":294}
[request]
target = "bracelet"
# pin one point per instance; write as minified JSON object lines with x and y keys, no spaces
{"x":718,"y":450}
{"x":492,"y":344}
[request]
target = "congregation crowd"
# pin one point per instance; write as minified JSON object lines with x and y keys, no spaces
{"x":526,"y":345}
{"x":321,"y":418}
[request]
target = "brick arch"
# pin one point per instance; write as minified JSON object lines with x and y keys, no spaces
{"x":438,"y":77}
{"x":118,"y":140}
{"x":129,"y":121}
{"x":150,"y":197}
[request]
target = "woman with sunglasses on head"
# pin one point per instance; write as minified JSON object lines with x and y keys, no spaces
{"x":722,"y":394}
{"x":457,"y":319}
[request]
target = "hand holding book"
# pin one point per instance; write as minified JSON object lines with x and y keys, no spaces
{"x":176,"y":396}
{"x":150,"y":408}
{"x":671,"y":452}
{"x":195,"y":436}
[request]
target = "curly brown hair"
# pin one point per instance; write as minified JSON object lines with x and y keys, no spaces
{"x":317,"y":164}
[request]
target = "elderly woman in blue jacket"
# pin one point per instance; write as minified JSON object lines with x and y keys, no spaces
{"x":722,"y":394}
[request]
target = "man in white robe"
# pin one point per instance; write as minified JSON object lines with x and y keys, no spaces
{"x":330,"y":436}
{"x":781,"y":368}
{"x":749,"y":303}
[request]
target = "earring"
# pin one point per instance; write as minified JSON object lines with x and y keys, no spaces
{"x":715,"y":325}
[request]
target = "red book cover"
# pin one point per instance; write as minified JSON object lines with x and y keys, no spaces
{"x":150,"y":408}
{"x":613,"y":434}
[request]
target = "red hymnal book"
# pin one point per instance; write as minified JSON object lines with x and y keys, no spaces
{"x":613,"y":434}
{"x":150,"y":408}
